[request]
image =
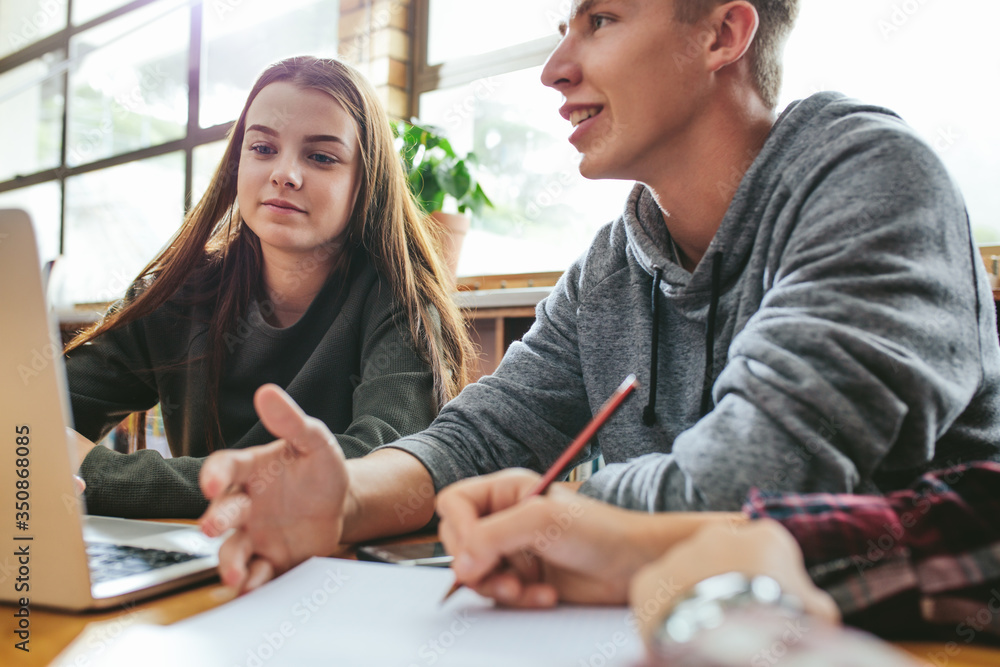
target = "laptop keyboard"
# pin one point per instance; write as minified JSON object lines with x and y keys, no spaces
{"x":114,"y":561}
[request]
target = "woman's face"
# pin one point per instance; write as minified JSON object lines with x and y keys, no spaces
{"x":298,"y":174}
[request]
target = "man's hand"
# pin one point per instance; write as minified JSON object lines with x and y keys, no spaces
{"x":761,"y":547}
{"x":560,"y":546}
{"x":285,"y":500}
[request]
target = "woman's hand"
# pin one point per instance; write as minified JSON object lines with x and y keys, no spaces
{"x":761,"y":547}
{"x":83,"y":447}
{"x":533,"y":552}
{"x":285,"y":501}
{"x":80,"y":443}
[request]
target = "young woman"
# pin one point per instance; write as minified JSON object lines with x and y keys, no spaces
{"x":305,"y":264}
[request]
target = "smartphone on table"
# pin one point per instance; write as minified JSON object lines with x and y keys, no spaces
{"x":428,"y":553}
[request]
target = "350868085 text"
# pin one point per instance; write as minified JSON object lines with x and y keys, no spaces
{"x":22,"y":517}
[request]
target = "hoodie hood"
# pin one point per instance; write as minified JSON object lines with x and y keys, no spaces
{"x":731,"y":248}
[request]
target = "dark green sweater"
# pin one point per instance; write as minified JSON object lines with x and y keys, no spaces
{"x":348,"y":361}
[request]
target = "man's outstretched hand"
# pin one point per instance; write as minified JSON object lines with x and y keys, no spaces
{"x":285,"y":500}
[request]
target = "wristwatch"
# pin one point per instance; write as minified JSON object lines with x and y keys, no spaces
{"x":706,"y":604}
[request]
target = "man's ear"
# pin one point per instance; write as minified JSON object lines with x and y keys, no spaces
{"x":735,"y":25}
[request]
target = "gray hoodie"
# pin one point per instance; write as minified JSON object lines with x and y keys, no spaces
{"x":839,"y":335}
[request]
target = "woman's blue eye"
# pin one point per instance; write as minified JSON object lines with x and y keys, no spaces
{"x":262,"y":149}
{"x":323,"y":159}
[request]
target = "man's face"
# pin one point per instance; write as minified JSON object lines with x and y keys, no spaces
{"x":632,"y":79}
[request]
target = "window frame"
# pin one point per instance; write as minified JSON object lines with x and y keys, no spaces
{"x":462,"y":71}
{"x":195,"y":135}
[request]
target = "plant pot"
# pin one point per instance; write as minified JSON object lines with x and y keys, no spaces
{"x":451,"y":233}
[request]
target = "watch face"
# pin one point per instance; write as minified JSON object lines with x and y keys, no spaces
{"x":709,"y":602}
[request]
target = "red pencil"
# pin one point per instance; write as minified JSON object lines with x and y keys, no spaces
{"x":586,"y":435}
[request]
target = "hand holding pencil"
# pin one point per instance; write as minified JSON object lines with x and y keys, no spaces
{"x":501,"y":529}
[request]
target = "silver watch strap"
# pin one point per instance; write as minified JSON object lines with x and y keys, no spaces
{"x":706,"y":604}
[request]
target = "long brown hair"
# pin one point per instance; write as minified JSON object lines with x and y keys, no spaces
{"x":218,"y":259}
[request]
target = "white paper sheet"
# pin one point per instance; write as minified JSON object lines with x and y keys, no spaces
{"x":350,"y":613}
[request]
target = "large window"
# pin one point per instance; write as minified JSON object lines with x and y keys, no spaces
{"x":114,"y":117}
{"x":477,"y":77}
{"x":933,"y":63}
{"x":481,"y":85}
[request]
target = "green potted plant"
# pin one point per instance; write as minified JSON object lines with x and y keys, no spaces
{"x":436,"y":172}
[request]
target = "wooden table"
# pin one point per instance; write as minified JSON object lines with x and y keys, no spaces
{"x":53,"y":631}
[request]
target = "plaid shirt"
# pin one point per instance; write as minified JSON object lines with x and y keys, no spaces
{"x":917,"y":564}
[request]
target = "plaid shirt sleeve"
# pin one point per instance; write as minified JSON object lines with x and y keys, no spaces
{"x":924,"y":560}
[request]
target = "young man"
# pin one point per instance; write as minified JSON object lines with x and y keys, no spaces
{"x":799,"y":297}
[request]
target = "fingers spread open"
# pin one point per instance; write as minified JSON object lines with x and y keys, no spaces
{"x":226,"y":512}
{"x":231,"y":468}
{"x":234,"y":558}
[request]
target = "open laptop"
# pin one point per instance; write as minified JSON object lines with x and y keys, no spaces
{"x":53,"y":554}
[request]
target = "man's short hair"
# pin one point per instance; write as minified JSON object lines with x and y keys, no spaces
{"x":776,"y":20}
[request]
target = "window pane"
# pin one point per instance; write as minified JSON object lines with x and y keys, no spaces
{"x":42,"y":203}
{"x":242,"y":39}
{"x":31,"y":106}
{"x":206,"y":159}
{"x":84,"y":10}
{"x":457,"y":28}
{"x":129,"y":88}
{"x":926,"y":62}
{"x":115,"y":224}
{"x":546,"y":213}
{"x":24,"y":22}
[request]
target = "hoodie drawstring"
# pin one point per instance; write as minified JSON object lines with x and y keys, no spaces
{"x":713,"y":309}
{"x":649,"y":413}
